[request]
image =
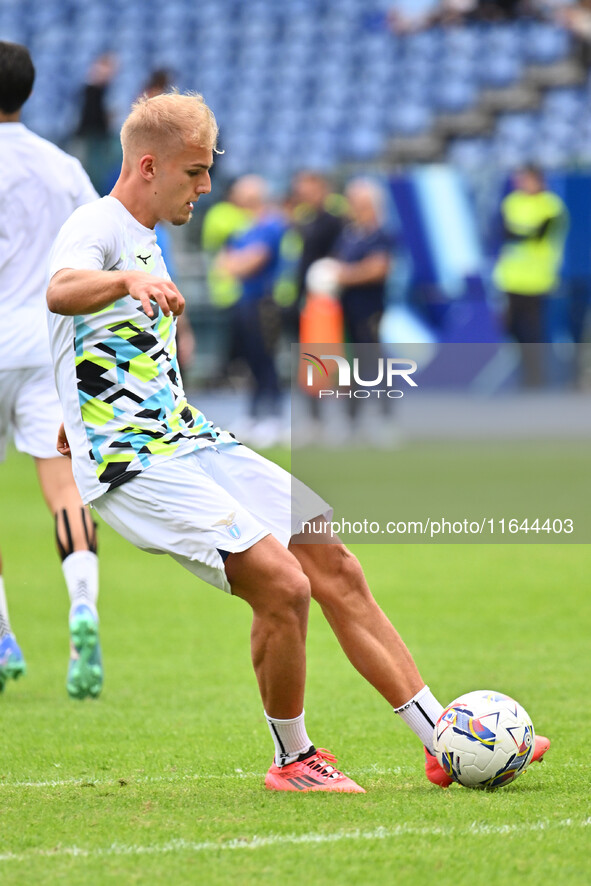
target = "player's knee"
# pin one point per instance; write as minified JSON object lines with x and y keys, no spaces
{"x":287,"y":597}
{"x":293,"y":593}
{"x":280,"y":594}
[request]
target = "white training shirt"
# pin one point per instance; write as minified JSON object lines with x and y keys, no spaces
{"x":116,"y":370}
{"x":40,"y":186}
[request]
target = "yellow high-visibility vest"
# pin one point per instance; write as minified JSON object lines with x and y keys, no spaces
{"x":529,"y":264}
{"x":220,"y":223}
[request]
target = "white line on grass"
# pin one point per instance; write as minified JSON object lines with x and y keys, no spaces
{"x":91,"y":782}
{"x":171,"y":779}
{"x":476,"y":829}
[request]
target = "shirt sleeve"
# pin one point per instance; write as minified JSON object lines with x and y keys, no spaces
{"x":84,"y":191}
{"x":87,"y":241}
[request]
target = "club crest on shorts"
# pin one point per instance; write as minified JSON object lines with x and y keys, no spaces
{"x":230,"y":525}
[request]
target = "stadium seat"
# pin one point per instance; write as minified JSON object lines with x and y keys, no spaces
{"x":565,"y":103}
{"x":299,"y":66}
{"x":455,"y":95}
{"x":517,"y":128}
{"x":408,"y":118}
{"x":364,"y":143}
{"x":470,"y":154}
{"x":508,"y":157}
{"x":502,"y":39}
{"x":501,"y":70}
{"x":552,"y":154}
{"x":546,"y":43}
{"x":426,"y":45}
{"x":463,"y":42}
{"x":559,"y":132}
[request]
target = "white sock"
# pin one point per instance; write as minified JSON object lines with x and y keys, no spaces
{"x":421,"y":713}
{"x":4,"y":619}
{"x":81,"y":574}
{"x":290,"y":738}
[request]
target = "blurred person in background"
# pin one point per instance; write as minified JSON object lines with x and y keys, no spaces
{"x":453,"y":13}
{"x":576,"y":18}
{"x":317,"y":220}
{"x":223,"y":220}
{"x":99,"y":148}
{"x":318,"y":216}
{"x":364,"y":252}
{"x":39,"y":189}
{"x":161,"y":80}
{"x":406,"y":18}
{"x":502,"y":10}
{"x":251,"y":257}
{"x":535,"y":223}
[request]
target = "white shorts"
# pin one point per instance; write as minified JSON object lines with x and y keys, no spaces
{"x":30,"y":411}
{"x":204,"y":505}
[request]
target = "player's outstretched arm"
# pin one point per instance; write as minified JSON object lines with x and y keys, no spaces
{"x":73,"y":291}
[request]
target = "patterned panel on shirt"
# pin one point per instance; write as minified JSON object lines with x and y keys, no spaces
{"x":131,"y":398}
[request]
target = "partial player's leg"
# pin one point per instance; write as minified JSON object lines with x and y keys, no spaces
{"x":270,"y":579}
{"x":36,"y":416}
{"x":77,"y":545}
{"x":183,"y":507}
{"x":373,"y":645}
{"x":273,"y":584}
{"x":368,"y":638}
{"x":12,"y":662}
{"x":337,"y":583}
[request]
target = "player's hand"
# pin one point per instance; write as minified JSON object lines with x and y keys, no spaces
{"x":148,"y":289}
{"x":62,"y":445}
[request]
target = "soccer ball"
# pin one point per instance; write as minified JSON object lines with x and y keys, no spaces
{"x":484,"y":739}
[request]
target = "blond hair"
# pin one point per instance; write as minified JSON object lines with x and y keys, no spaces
{"x":170,"y":120}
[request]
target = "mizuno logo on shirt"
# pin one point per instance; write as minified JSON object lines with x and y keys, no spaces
{"x":144,"y":258}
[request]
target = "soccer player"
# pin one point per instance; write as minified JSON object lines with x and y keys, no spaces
{"x":160,"y":474}
{"x":40,"y":187}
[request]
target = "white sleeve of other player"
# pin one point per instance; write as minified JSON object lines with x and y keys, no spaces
{"x":84,"y":191}
{"x":87,"y":241}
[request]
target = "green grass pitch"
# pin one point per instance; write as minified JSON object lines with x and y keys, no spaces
{"x":161,"y":779}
